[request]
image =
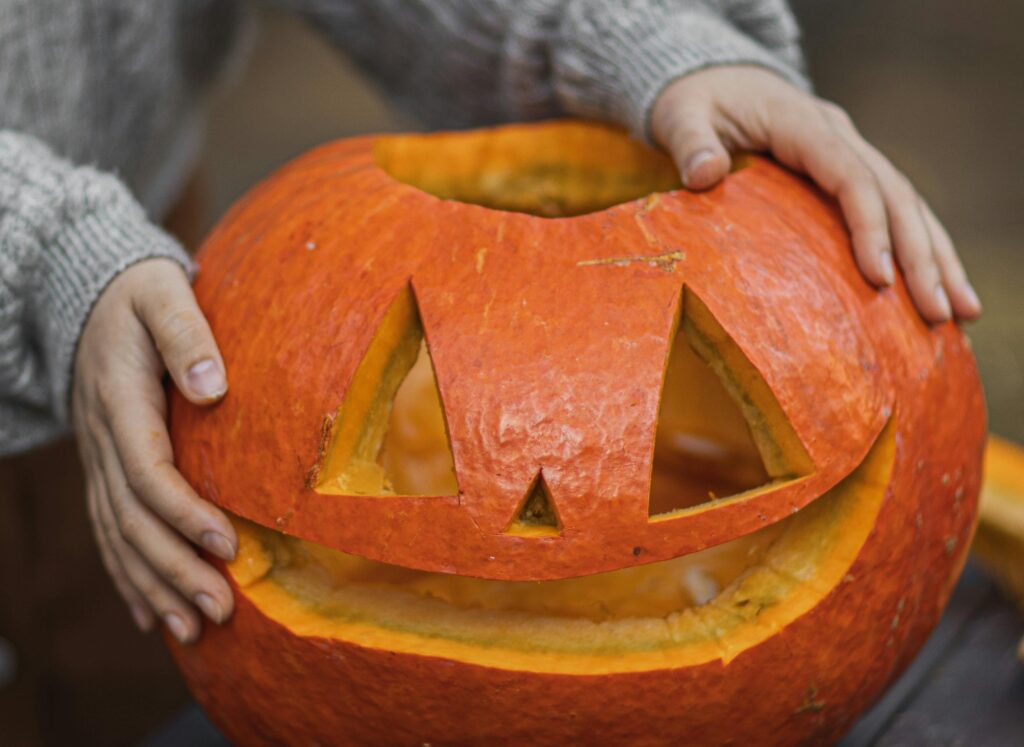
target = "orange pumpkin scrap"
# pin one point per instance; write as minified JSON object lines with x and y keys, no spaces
{"x":999,"y":542}
{"x":528,"y":446}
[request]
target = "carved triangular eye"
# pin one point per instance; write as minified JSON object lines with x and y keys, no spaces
{"x":536,"y":515}
{"x":720,"y":430}
{"x":389,"y":436}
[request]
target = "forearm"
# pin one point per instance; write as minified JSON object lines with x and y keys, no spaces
{"x":613,"y":59}
{"x":65,"y":232}
{"x":461,"y":62}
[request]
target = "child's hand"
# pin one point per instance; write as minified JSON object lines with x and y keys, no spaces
{"x":143,"y":512}
{"x":703,"y":116}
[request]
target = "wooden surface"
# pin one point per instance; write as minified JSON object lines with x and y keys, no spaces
{"x":965,"y":689}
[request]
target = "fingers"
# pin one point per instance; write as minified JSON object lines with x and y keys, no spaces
{"x":138,"y":501}
{"x":95,"y":485}
{"x":162,"y":566}
{"x":803,"y":140}
{"x":912,"y":242}
{"x":169,"y":311}
{"x":141,"y":611}
{"x":173,"y":610}
{"x":966,"y":304}
{"x":162,"y":548}
{"x":935,"y":278}
{"x":697,"y":116}
{"x":145,"y":462}
{"x":700,"y":156}
{"x":683,"y":125}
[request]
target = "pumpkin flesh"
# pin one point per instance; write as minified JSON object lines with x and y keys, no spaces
{"x":628,"y":620}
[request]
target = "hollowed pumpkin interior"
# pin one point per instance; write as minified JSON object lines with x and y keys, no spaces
{"x":557,"y":169}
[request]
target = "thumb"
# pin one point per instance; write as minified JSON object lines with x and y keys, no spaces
{"x":181,"y":333}
{"x":701,"y":158}
{"x":684,"y":129}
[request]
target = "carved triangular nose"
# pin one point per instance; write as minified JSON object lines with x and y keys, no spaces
{"x":537,"y":516}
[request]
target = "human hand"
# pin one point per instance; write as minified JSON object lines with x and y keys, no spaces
{"x":144,"y":514}
{"x":702,"y":117}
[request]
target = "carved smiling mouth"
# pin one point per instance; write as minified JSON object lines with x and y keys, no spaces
{"x":710,"y":605}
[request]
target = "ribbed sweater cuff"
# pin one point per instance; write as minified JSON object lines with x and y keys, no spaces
{"x":644,"y":58}
{"x":82,"y":259}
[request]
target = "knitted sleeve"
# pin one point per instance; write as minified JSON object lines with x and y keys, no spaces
{"x":65,"y":232}
{"x":461,"y":62}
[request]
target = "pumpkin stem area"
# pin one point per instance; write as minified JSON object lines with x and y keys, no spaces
{"x":550,"y":170}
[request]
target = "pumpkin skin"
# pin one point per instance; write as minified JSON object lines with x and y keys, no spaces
{"x":549,"y":339}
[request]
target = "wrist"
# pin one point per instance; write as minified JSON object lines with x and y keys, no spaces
{"x":85,"y":256}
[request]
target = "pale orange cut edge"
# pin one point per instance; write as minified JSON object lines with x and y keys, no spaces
{"x":811,"y":557}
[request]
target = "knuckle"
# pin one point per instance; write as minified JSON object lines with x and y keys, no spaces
{"x":179,"y":515}
{"x":180,"y":330}
{"x":688,"y":137}
{"x":152,"y":591}
{"x":858,"y":184}
{"x":776,"y":107}
{"x":136,"y":474}
{"x":866,"y":213}
{"x":180,"y":574}
{"x":108,"y":395}
{"x":919,"y":263}
{"x":112,"y":535}
{"x":835,"y":112}
{"x":903,"y":193}
{"x":132,"y":531}
{"x":952,"y":269}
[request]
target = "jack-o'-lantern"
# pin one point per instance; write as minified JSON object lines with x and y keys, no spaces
{"x":526,"y":445}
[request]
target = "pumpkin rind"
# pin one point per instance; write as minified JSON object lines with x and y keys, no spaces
{"x":297,"y":279}
{"x":548,"y":338}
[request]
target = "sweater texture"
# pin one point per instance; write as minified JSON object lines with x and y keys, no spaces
{"x":101,"y":104}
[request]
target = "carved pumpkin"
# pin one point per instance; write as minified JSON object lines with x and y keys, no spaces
{"x":526,"y":446}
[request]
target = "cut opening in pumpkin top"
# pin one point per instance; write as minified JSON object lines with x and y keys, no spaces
{"x":558,"y":169}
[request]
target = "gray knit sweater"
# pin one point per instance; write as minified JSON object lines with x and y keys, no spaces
{"x":100,"y":100}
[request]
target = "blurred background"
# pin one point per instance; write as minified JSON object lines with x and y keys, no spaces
{"x":935,"y":84}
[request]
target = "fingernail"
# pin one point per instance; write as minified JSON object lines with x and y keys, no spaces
{"x":206,"y":380}
{"x":177,"y":627}
{"x":209,"y":606}
{"x":218,"y":544}
{"x":141,"y":617}
{"x":943,"y":300}
{"x":694,"y":163}
{"x":888,"y":268}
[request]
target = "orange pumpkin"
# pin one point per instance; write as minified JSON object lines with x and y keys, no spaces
{"x":528,"y":446}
